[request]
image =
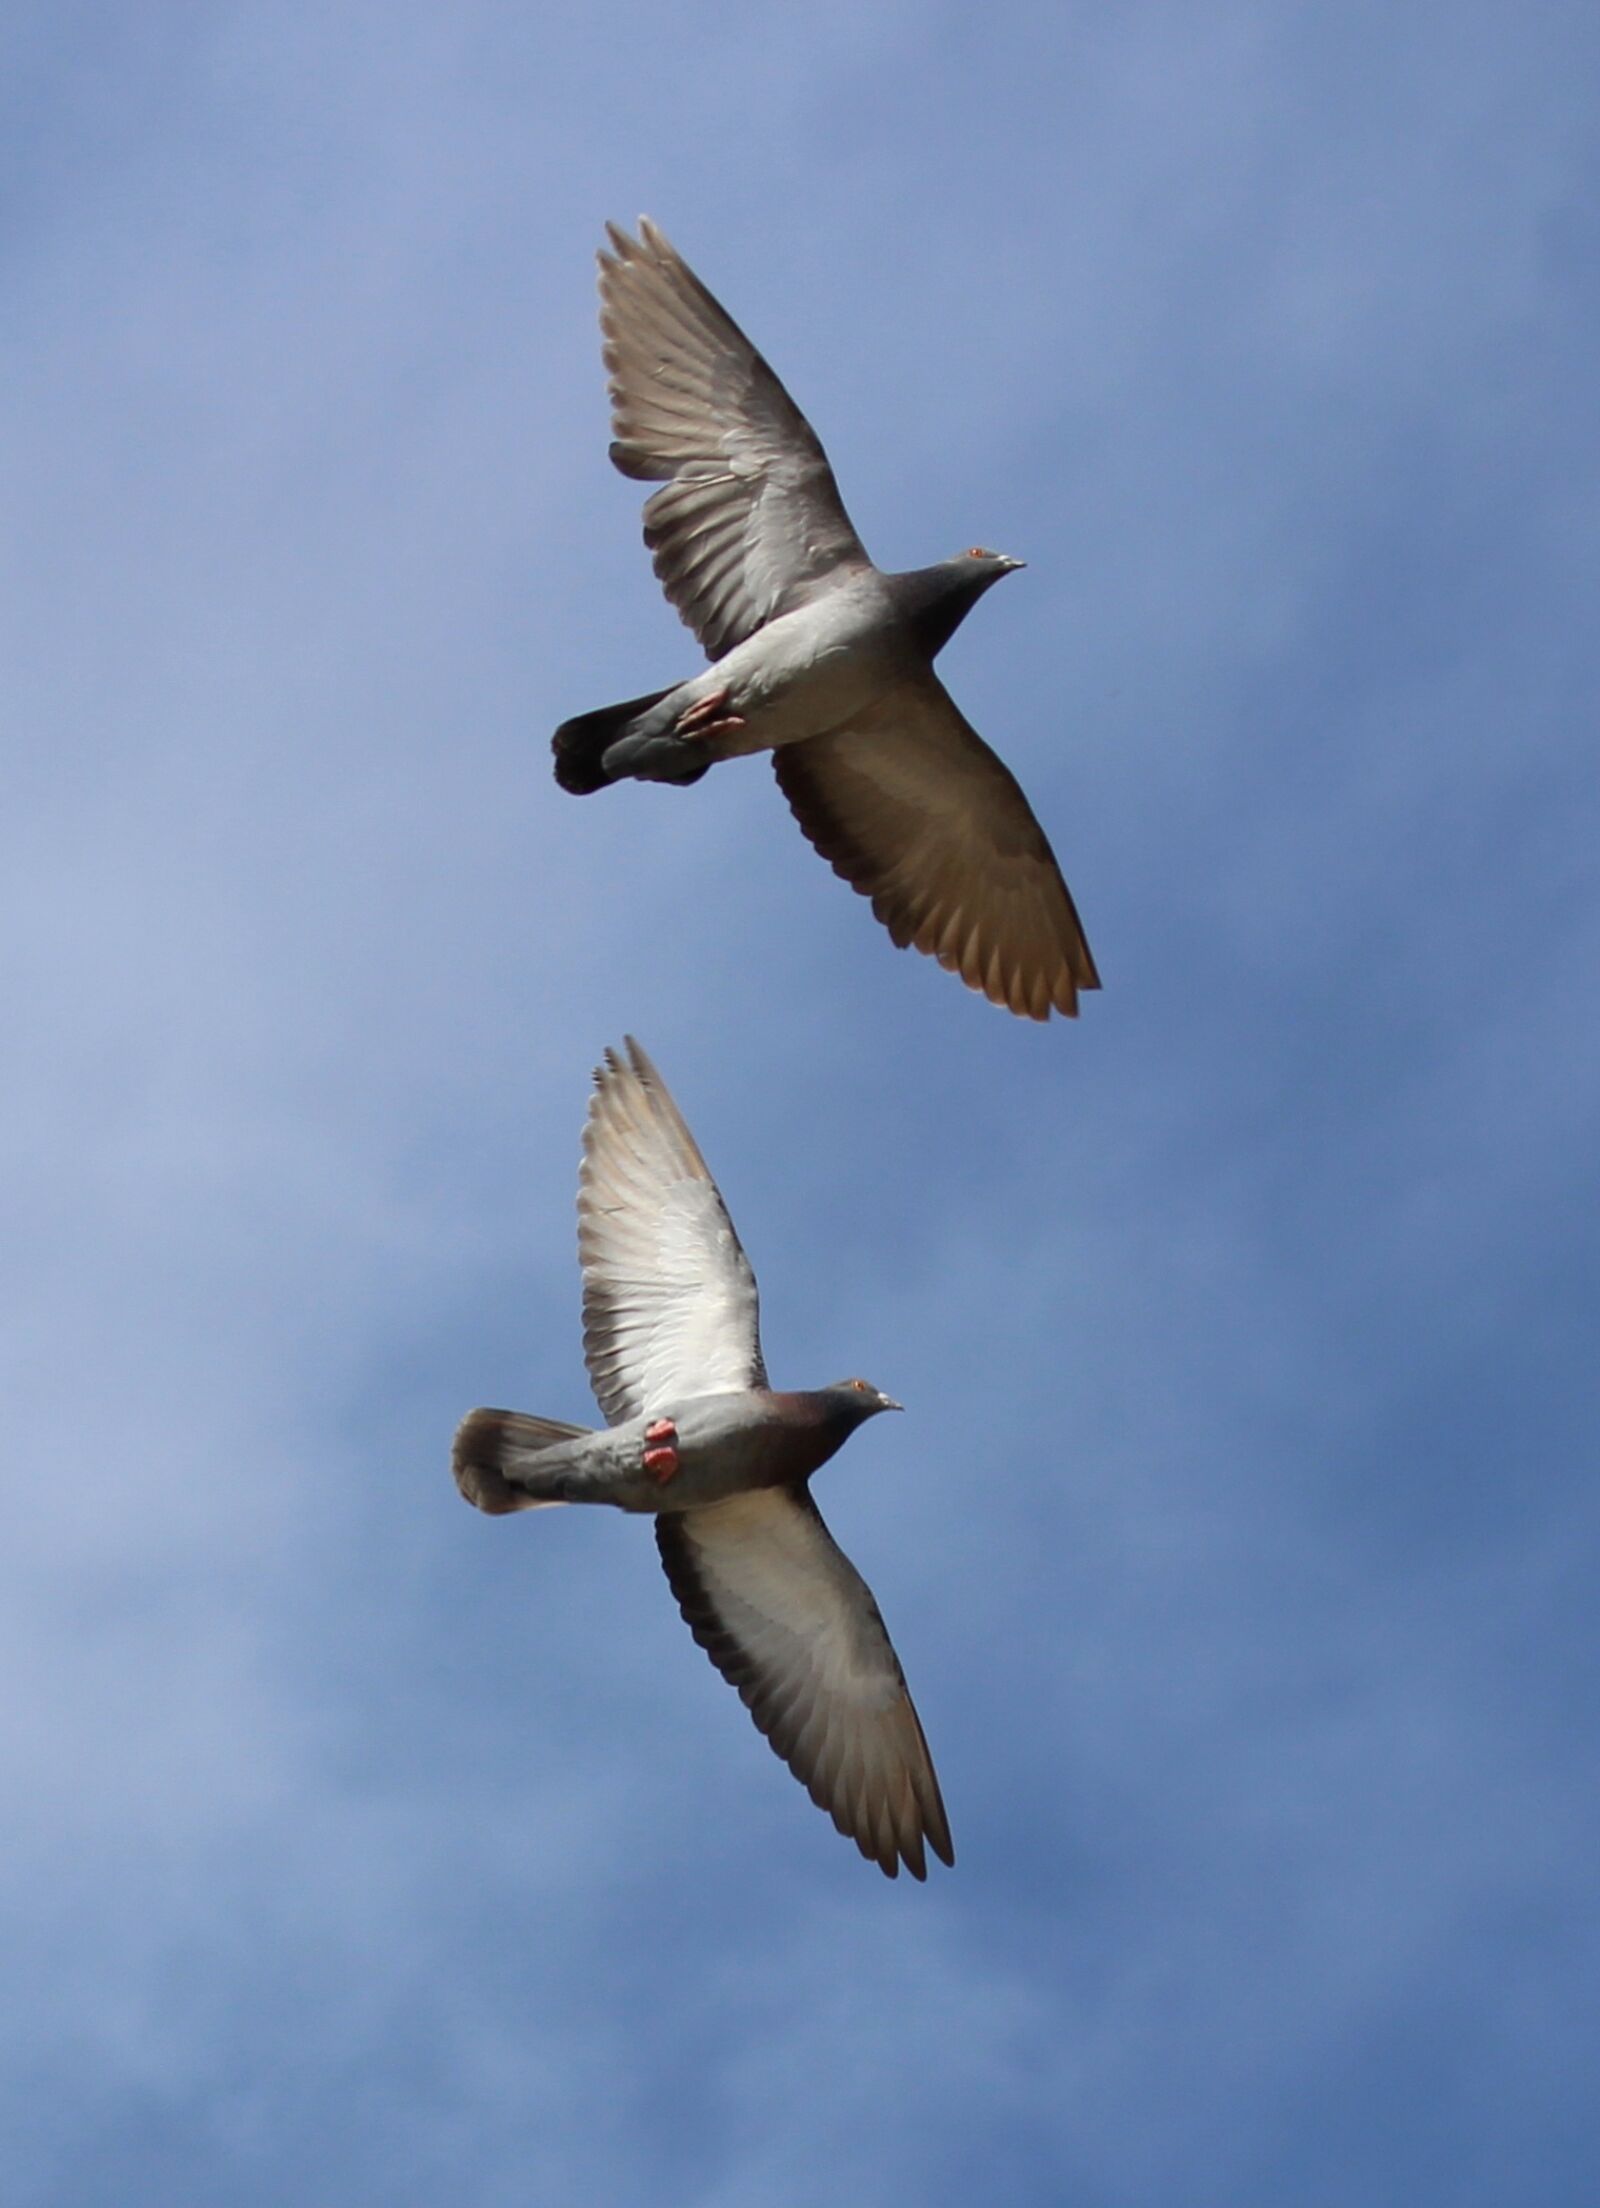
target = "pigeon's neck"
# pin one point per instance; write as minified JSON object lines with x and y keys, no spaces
{"x":934,"y":601}
{"x":819,"y":1421}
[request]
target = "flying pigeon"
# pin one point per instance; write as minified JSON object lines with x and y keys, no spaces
{"x":818,"y":656}
{"x":695,"y":1436}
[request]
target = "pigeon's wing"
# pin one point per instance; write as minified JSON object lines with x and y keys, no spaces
{"x":914,"y":810}
{"x":669,"y":1300}
{"x":788,"y":1620}
{"x":749,"y":524}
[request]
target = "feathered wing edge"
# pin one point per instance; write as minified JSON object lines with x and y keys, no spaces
{"x":914,"y":810}
{"x":863,"y":1759}
{"x":666,"y":1282}
{"x":749,"y":521}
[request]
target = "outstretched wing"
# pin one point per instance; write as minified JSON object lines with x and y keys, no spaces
{"x":669,"y":1300}
{"x":750,"y":523}
{"x":788,"y":1620}
{"x":914,"y":810}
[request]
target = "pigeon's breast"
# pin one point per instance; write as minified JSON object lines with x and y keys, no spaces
{"x":809,"y":671}
{"x":727,"y":1444}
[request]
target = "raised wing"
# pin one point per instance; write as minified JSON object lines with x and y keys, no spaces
{"x":788,"y":1620}
{"x":669,"y":1300}
{"x":914,"y":810}
{"x":750,"y":523}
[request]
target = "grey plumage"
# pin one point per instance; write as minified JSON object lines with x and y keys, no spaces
{"x":697,"y":1438}
{"x":819,"y":656}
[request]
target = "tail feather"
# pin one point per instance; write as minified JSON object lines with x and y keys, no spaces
{"x":496,"y":1450}
{"x":580,"y":745}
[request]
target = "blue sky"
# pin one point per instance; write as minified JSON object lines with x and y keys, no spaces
{"x":1239,"y":1544}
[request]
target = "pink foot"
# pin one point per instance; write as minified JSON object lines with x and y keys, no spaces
{"x":705,"y":721}
{"x":661,"y":1455}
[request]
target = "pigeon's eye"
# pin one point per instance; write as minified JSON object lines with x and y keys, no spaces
{"x":976,"y":552}
{"x":860,"y":1386}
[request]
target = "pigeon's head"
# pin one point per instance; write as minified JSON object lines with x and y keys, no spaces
{"x":936,"y":600}
{"x":992,"y":565}
{"x":856,"y":1400}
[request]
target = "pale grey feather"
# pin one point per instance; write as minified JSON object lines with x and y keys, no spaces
{"x":670,"y":1306}
{"x":750,"y":523}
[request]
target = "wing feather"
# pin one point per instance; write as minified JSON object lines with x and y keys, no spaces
{"x":789,"y":1621}
{"x":911,"y":807}
{"x":669,"y":1300}
{"x":749,"y":523}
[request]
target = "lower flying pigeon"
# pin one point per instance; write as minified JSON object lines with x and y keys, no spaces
{"x":695,"y":1436}
{"x":819,"y":657}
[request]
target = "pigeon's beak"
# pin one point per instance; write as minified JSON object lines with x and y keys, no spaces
{"x":1010,"y":565}
{"x":888,"y":1403}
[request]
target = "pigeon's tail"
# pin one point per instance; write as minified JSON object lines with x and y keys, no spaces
{"x":580,"y":745}
{"x":496,"y":1459}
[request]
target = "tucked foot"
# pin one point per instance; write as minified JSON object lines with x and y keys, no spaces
{"x":706,"y":720}
{"x":661,"y":1449}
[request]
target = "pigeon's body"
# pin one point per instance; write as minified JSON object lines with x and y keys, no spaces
{"x":817,"y":655}
{"x":806,"y":672}
{"x":697,"y":1438}
{"x":725,"y":1445}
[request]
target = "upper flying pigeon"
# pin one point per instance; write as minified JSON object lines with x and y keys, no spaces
{"x":819,"y":657}
{"x":695,"y":1436}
